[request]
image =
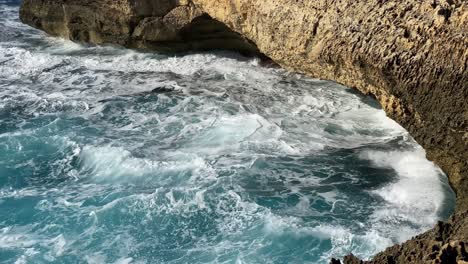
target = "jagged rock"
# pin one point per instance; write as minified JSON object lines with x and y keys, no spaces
{"x":351,"y":259}
{"x":335,"y":261}
{"x":412,"y":56}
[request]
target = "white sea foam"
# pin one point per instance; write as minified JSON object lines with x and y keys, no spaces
{"x":343,"y":240}
{"x":29,"y":241}
{"x":116,"y":163}
{"x":95,"y":259}
{"x":318,"y":110}
{"x":416,"y":196}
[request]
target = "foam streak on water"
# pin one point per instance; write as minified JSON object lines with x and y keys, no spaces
{"x":110,"y":155}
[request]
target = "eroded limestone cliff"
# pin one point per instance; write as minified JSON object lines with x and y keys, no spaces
{"x":412,"y":56}
{"x":163,"y":25}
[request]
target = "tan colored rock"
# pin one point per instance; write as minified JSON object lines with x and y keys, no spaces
{"x":163,"y":25}
{"x":167,"y":27}
{"x":154,"y":29}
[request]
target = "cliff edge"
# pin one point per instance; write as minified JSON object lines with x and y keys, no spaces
{"x":412,"y":56}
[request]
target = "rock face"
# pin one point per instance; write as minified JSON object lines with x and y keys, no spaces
{"x":163,"y":25}
{"x":412,"y":56}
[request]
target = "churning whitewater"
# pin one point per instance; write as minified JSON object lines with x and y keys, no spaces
{"x":110,"y":155}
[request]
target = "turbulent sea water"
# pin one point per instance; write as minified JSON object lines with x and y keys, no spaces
{"x":110,"y":155}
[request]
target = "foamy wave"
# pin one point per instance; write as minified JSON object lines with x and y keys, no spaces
{"x":343,"y":240}
{"x":114,"y":163}
{"x":419,"y":183}
{"x":416,"y":196}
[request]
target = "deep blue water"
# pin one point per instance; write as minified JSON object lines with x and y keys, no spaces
{"x":115,"y":156}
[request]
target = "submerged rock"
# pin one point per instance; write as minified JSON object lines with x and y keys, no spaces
{"x":411,"y":56}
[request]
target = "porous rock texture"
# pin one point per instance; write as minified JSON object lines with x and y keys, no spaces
{"x":162,"y":25}
{"x":412,"y":56}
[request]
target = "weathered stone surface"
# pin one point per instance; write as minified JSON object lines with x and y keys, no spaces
{"x":412,"y":56}
{"x":163,"y":25}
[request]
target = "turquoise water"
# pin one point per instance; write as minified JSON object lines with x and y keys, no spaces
{"x":115,"y":156}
